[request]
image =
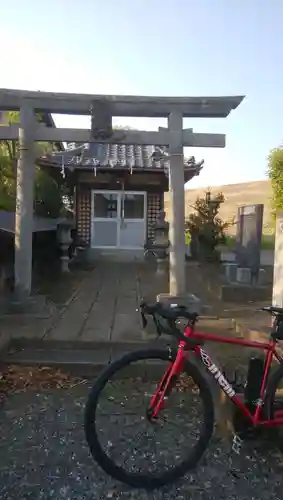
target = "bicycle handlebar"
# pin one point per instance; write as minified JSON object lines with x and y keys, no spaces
{"x":171,"y":314}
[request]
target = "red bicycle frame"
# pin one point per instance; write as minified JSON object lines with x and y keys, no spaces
{"x":176,"y":368}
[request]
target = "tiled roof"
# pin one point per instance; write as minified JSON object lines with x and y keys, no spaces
{"x":108,"y":155}
{"x":111,"y":156}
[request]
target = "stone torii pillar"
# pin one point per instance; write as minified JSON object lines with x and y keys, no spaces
{"x":24,"y":203}
{"x":177,"y":285}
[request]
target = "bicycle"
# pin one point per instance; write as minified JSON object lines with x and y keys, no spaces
{"x":261,"y":412}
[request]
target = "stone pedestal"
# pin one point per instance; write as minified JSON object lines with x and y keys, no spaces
{"x":243,"y":275}
{"x":230,"y":271}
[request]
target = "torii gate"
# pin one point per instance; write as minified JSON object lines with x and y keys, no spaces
{"x":102,"y":108}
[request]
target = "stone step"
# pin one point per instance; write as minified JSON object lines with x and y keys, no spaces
{"x":79,"y":363}
{"x":78,"y":360}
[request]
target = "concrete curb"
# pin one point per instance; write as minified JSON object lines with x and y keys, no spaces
{"x":84,"y":362}
{"x":5,"y":343}
{"x":62,"y":345}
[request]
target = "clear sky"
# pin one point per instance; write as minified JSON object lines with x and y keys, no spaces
{"x":159,"y":47}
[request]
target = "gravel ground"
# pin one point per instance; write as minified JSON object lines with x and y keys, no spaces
{"x":43,"y":455}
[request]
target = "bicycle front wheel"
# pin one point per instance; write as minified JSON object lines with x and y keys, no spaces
{"x":124,"y":390}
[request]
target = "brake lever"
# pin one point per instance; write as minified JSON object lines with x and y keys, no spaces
{"x":144,"y":320}
{"x":157,"y":325}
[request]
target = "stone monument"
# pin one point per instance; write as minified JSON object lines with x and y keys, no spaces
{"x":244,"y":279}
{"x":248,"y":243}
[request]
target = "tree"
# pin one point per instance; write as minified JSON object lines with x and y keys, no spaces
{"x":275,"y":174}
{"x":206,"y":227}
{"x":47,"y":195}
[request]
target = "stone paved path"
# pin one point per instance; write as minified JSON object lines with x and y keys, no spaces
{"x":104,"y":305}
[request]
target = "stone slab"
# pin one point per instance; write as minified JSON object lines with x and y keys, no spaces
{"x":69,"y":326}
{"x":75,"y":316}
{"x":96,"y":334}
{"x":99,"y":319}
{"x":127,"y":305}
{"x":126,"y":326}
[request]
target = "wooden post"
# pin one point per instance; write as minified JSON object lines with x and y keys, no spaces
{"x":177,"y":205}
{"x":24,"y":203}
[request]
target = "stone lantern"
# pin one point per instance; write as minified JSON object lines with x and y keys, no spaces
{"x":161,"y":241}
{"x":65,"y":225}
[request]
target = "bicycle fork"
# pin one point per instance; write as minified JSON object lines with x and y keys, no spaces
{"x":166,"y":385}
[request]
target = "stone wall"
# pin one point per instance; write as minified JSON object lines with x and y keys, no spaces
{"x":83,"y":213}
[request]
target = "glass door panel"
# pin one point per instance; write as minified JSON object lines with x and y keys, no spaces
{"x":105,"y":219}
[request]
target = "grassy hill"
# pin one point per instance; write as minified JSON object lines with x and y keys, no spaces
{"x":247,"y":193}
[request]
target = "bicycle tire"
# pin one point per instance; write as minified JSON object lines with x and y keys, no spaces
{"x":146,"y":481}
{"x":269,"y":405}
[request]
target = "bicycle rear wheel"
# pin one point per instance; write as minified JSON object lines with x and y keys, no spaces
{"x":145,"y":369}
